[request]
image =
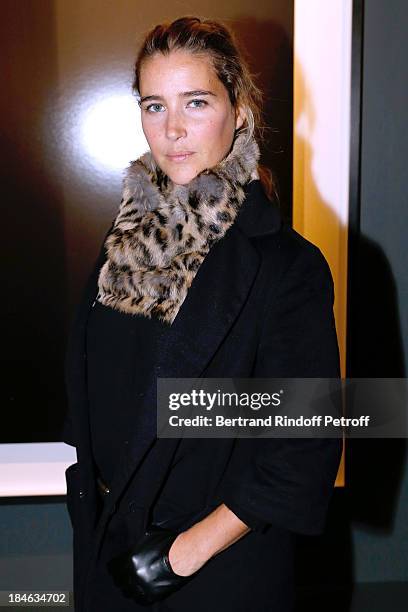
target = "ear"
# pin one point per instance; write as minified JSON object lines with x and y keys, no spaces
{"x":240,"y":116}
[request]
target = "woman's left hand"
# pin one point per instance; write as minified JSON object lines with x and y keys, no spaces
{"x":144,"y":572}
{"x":184,"y":557}
{"x":162,"y":561}
{"x":195,"y":546}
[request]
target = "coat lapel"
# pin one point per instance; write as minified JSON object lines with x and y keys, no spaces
{"x":213,"y":302}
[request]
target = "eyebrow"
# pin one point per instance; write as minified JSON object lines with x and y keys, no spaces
{"x":184,"y":94}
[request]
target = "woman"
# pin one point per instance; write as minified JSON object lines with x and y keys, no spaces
{"x":197,"y":277}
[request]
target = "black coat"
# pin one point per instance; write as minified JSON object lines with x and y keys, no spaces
{"x":261,"y":305}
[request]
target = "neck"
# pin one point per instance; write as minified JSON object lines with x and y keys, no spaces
{"x":163,"y":231}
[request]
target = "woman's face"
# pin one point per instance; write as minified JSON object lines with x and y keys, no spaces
{"x":187,"y":117}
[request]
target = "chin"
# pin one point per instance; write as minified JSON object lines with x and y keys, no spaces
{"x":183,"y":176}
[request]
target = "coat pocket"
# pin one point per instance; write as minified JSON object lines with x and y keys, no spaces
{"x":72,"y":481}
{"x":123,"y":530}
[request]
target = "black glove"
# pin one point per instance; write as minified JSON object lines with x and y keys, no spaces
{"x":144,"y":573}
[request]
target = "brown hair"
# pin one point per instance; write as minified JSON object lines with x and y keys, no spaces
{"x":205,"y":36}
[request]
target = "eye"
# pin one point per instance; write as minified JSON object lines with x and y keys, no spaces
{"x":153,"y":108}
{"x":200,"y":103}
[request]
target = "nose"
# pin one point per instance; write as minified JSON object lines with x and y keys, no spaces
{"x":175,"y":127}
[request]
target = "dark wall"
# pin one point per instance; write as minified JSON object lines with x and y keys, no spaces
{"x":378,"y":471}
{"x":33,"y":306}
{"x":367,"y":531}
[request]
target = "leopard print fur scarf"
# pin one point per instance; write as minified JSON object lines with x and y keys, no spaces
{"x":163,"y":231}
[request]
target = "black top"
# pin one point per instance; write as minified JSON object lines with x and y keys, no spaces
{"x":118,"y":345}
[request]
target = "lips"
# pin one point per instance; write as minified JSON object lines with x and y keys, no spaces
{"x":181,"y":156}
